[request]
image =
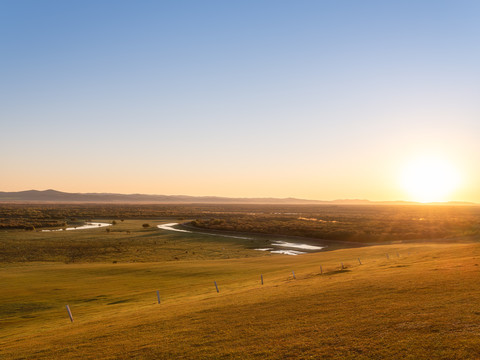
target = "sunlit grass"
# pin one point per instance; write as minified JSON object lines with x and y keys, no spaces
{"x":415,"y":304}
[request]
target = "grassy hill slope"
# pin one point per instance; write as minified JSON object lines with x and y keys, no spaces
{"x":420,"y":304}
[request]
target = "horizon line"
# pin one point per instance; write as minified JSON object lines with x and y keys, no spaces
{"x":338,"y":200}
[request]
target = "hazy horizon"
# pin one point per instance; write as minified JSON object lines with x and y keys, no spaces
{"x":316,"y":100}
{"x":346,"y":200}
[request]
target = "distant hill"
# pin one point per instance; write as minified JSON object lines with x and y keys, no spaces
{"x":54,"y":196}
{"x":58,"y":196}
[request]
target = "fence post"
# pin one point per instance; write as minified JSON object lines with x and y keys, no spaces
{"x":69,"y":313}
{"x":158,"y":296}
{"x":321,"y":270}
{"x":359,"y":261}
{"x":261,"y":278}
{"x":216,"y":286}
{"x":293,"y":272}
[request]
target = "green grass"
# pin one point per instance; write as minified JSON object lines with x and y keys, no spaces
{"x":421,"y":305}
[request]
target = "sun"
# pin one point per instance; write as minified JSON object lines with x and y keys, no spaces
{"x":430,"y":179}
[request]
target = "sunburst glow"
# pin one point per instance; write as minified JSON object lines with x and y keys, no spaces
{"x":430,"y":179}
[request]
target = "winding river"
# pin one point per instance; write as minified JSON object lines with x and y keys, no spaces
{"x":89,"y":225}
{"x":276,"y":246}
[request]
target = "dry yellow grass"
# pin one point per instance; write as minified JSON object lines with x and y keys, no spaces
{"x":422,"y":305}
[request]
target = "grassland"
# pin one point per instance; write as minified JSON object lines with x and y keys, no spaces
{"x":419,"y":303}
{"x":127,"y":241}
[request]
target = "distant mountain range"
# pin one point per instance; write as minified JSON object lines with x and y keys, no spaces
{"x":53,"y":196}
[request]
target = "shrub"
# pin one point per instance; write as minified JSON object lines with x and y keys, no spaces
{"x":146,"y":225}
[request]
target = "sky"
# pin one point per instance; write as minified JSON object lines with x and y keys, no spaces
{"x":321,"y":99}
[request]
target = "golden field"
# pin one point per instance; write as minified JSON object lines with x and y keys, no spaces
{"x":420,"y":303}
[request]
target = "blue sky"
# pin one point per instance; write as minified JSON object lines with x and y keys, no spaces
{"x":315,"y":99}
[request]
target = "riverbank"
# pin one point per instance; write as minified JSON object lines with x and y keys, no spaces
{"x":318,"y":244}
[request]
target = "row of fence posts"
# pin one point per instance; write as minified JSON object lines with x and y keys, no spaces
{"x":261,"y":280}
{"x":388,"y":256}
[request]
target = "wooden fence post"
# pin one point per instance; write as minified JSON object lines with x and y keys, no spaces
{"x":216,"y":286}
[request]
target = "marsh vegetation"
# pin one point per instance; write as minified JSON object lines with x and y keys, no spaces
{"x":357,"y":223}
